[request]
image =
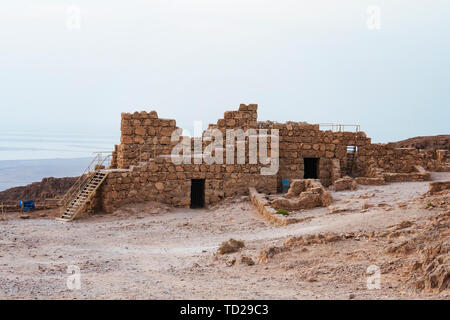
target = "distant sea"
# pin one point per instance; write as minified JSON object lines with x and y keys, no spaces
{"x":29,"y":157}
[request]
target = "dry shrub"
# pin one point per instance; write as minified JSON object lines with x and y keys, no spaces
{"x":231,"y":246}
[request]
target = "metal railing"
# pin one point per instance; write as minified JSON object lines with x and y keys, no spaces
{"x":99,"y":162}
{"x":335,"y":127}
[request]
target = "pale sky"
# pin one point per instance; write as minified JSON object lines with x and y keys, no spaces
{"x":314,"y":61}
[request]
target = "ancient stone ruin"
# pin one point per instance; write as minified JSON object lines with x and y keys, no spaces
{"x":142,"y":168}
{"x":303,"y":194}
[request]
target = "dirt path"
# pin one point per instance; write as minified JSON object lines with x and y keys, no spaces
{"x":144,"y":251}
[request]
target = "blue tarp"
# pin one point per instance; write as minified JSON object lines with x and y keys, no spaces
{"x":27,"y":205}
{"x":285,"y":184}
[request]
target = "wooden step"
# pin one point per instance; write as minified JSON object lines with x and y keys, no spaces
{"x":79,"y":201}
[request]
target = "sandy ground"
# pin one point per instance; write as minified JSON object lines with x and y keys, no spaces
{"x":148,"y":251}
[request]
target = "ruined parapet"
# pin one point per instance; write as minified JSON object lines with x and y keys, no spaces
{"x":417,"y":174}
{"x":401,"y":160}
{"x":443,"y":157}
{"x":144,"y":136}
{"x":376,"y":176}
{"x":368,"y":181}
{"x":437,"y":186}
{"x":113,"y":164}
{"x":303,"y":194}
{"x":335,"y":170}
{"x":263,"y":206}
{"x":443,"y":160}
{"x":245,"y":118}
{"x":345,"y":183}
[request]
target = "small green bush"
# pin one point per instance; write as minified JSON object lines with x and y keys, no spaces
{"x":429,"y":204}
{"x":284,"y":212}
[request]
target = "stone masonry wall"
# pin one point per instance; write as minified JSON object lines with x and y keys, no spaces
{"x":401,"y":160}
{"x":142,"y":169}
{"x":144,"y":136}
{"x":161,"y":180}
{"x":299,"y":140}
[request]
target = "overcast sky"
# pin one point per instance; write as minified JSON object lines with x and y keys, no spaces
{"x":314,"y":61}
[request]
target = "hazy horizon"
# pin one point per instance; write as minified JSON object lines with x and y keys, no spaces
{"x":194,"y":59}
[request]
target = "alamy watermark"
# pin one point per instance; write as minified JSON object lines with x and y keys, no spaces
{"x":240,"y":145}
{"x":374,"y":279}
{"x":373,"y":17}
{"x":73,"y":21}
{"x":73,"y":281}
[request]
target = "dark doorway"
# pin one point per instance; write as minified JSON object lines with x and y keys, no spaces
{"x":311,"y":168}
{"x":197,"y":193}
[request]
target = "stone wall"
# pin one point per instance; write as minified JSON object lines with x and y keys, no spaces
{"x":303,"y":194}
{"x":245,"y":118}
{"x":163,"y":181}
{"x":144,"y":136}
{"x":299,"y":140}
{"x":419,"y":174}
{"x":400,"y":160}
{"x":437,"y":186}
{"x":142,"y":170}
{"x":262,"y":204}
{"x":443,"y":157}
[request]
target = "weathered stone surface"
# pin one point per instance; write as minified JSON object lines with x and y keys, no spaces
{"x":303,"y":194}
{"x":370,"y":181}
{"x":437,"y":186}
{"x":267,"y":212}
{"x":345,"y":183}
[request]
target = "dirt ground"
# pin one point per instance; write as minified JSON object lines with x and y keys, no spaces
{"x":149,"y":251}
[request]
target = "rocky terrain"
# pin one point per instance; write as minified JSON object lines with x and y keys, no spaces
{"x":440,"y":142}
{"x":151,"y":251}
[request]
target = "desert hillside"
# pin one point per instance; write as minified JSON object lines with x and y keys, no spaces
{"x":47,"y":188}
{"x":428,"y":142}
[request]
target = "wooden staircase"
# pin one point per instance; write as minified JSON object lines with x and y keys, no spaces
{"x":85,"y":193}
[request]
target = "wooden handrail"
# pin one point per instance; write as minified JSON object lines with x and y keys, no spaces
{"x":97,"y":162}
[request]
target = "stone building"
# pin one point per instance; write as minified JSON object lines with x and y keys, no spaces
{"x":142,"y":168}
